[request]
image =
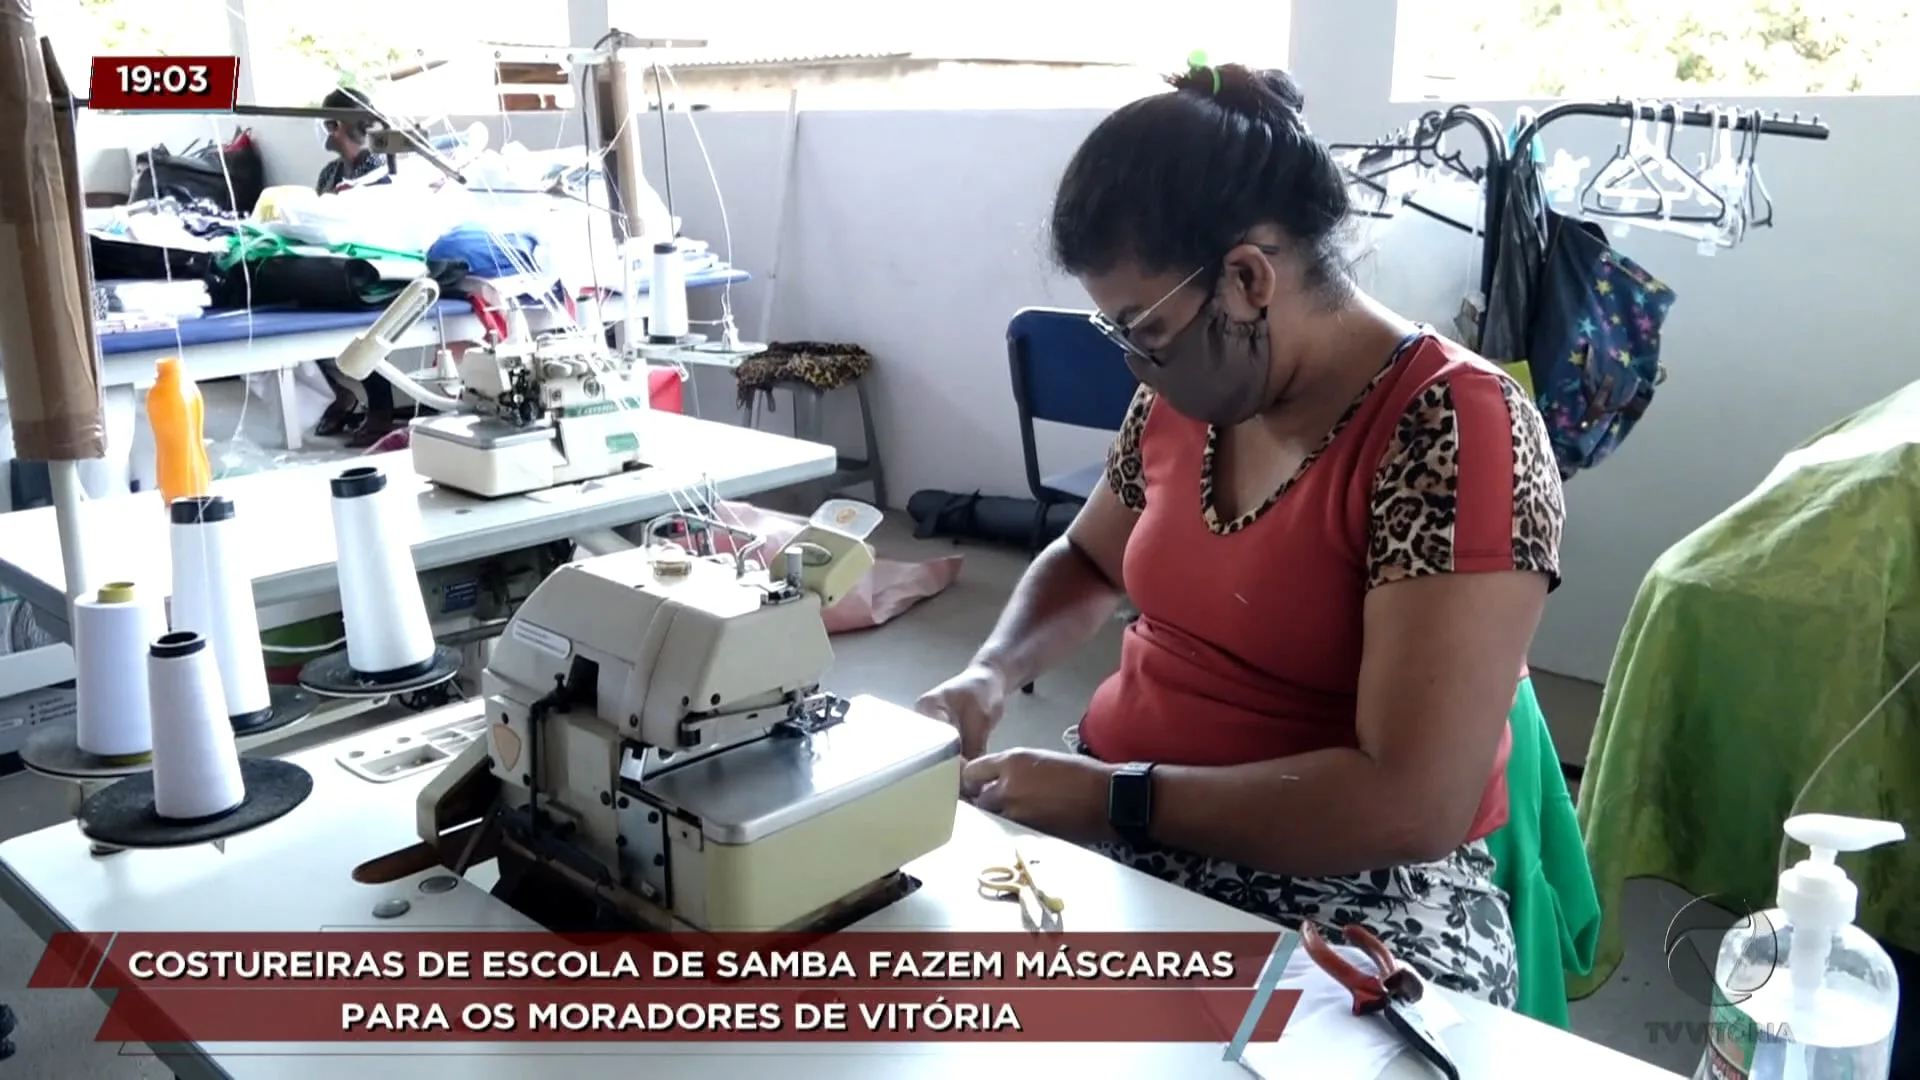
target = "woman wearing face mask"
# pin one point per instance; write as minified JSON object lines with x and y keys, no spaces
{"x":1338,"y":528}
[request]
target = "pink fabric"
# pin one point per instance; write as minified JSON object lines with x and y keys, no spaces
{"x":397,"y":439}
{"x":884,"y":594}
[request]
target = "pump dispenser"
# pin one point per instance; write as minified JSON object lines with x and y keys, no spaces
{"x":1802,"y":992}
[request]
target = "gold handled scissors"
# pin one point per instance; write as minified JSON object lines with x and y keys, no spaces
{"x":1016,"y":883}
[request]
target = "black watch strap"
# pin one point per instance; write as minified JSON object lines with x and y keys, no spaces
{"x":1130,"y":802}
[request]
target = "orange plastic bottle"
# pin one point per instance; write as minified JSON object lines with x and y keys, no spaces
{"x":177,"y":413}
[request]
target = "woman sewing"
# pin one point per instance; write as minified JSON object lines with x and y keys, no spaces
{"x":1339,"y":531}
{"x":352,"y":160}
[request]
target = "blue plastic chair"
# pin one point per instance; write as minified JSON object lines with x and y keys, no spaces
{"x":1065,"y":371}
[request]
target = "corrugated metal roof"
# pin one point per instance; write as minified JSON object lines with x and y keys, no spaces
{"x":711,"y":58}
{"x":775,"y":39}
{"x":703,"y":58}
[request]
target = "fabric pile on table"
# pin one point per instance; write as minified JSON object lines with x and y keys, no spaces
{"x":147,"y":305}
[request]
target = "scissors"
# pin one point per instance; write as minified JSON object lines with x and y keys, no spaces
{"x":1393,"y":992}
{"x":1016,"y":883}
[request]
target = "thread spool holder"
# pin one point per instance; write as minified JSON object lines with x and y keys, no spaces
{"x":332,"y":676}
{"x":54,"y":750}
{"x":289,"y":705}
{"x":122,"y":815}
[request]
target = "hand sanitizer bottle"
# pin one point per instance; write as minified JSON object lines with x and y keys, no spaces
{"x":1803,"y":994}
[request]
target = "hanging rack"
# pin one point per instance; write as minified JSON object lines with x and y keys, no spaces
{"x":1668,"y":112}
{"x":1425,"y":136}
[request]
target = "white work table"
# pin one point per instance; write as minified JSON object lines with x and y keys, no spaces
{"x":295,"y":875}
{"x":286,"y":514}
{"x":280,"y":352}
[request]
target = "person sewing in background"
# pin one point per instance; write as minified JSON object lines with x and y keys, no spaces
{"x":1338,"y":530}
{"x":352,"y":160}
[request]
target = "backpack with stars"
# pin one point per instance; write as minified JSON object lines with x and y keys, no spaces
{"x":1593,"y":351}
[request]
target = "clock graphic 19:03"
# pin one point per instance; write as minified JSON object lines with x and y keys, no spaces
{"x":171,"y":83}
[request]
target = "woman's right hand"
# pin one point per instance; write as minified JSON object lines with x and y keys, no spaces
{"x":972,"y":701}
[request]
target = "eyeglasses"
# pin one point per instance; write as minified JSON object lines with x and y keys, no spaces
{"x":1123,"y":335}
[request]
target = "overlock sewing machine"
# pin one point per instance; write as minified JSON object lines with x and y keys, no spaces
{"x":550,"y":410}
{"x":659,"y":754}
{"x":532,"y":411}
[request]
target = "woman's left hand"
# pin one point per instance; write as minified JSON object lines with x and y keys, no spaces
{"x":1063,"y":795}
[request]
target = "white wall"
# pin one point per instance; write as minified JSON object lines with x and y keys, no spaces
{"x":917,"y":234}
{"x":1767,"y":343}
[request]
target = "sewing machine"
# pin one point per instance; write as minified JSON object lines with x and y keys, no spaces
{"x":658,"y":754}
{"x":538,"y":412}
{"x":532,"y":410}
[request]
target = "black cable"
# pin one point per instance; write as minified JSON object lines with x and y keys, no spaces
{"x":586,"y":139}
{"x":666,"y":158}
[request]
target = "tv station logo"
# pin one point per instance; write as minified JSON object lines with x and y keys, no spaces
{"x":164,"y":83}
{"x":1705,"y":921}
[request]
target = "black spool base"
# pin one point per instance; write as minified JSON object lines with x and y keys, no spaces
{"x":289,"y":705}
{"x":123,"y":816}
{"x":332,"y":676}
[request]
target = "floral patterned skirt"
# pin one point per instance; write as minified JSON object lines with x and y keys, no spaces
{"x":1445,"y":920}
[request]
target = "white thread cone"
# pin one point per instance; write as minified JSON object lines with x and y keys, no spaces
{"x":196,"y":763}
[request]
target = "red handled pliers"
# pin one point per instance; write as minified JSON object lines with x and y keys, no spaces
{"x":1392,"y":993}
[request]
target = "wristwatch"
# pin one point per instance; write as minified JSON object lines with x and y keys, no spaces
{"x":1130,"y":802}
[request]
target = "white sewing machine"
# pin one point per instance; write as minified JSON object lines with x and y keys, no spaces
{"x":546,"y":411}
{"x":657,"y":747}
{"x":531,"y":411}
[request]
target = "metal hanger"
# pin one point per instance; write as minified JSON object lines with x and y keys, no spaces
{"x":1416,"y":147}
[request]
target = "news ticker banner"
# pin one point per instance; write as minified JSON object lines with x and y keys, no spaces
{"x":853,"y":986}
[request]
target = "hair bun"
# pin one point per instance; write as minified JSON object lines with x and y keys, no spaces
{"x":1270,"y":96}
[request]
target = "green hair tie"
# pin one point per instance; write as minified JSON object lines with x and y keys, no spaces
{"x":1197,"y":61}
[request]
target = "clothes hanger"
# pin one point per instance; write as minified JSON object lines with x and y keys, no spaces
{"x":1724,"y":170}
{"x":1388,"y":201}
{"x":1759,"y":211}
{"x":1611,"y":192}
{"x":1653,"y":175}
{"x":1392,"y":184}
{"x":1687,"y":190}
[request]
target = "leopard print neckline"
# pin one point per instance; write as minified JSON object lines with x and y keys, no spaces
{"x":1221,"y":527}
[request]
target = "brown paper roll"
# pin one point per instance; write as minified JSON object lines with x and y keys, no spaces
{"x":46,"y":317}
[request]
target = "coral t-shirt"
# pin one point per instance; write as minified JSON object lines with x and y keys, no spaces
{"x":1250,"y":630}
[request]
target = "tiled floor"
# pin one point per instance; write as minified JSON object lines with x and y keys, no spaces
{"x":897,"y":662}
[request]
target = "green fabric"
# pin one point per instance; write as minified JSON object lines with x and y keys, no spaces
{"x":1541,"y":864}
{"x":1754,"y":645}
{"x":253,"y":243}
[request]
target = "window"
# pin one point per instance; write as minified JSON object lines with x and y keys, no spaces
{"x":1513,"y":49}
{"x":83,"y":29}
{"x":300,"y":50}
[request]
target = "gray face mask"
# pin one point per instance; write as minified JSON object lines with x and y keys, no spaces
{"x":1215,"y":370}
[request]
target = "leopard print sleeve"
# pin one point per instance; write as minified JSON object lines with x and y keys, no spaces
{"x":1467,"y":485}
{"x":1126,"y":471}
